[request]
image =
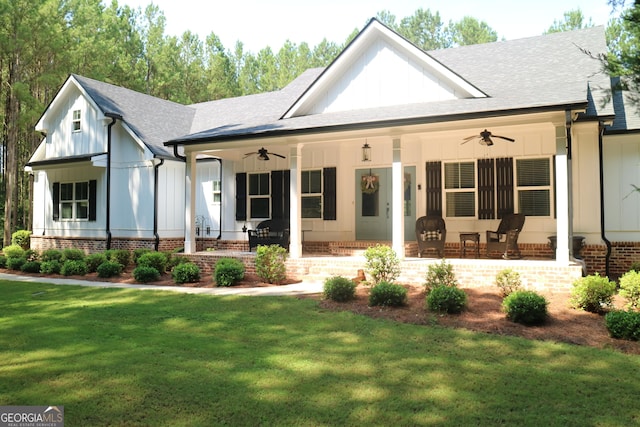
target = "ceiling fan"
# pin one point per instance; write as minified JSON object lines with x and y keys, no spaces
{"x":263,"y":154}
{"x":485,"y":138}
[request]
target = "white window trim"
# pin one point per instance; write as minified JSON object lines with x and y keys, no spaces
{"x":321,"y":194}
{"x":74,"y":202}
{"x":77,"y":121}
{"x":550,"y":187}
{"x":250,"y":197}
{"x":216,"y":189}
{"x":473,"y":190}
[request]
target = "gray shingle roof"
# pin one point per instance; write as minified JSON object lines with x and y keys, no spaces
{"x":627,"y":109}
{"x":550,"y":71}
{"x":154,"y":120}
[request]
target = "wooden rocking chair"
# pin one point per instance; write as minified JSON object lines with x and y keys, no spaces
{"x":505,"y":238}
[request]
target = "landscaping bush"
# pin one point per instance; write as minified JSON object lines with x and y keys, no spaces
{"x":21,"y":238}
{"x":144,"y":274}
{"x":228,"y":271}
{"x":157,"y":260}
{"x":72,"y":254}
{"x":74,"y":267}
{"x":270,"y":263}
{"x":382,"y":264}
{"x":186,"y":273}
{"x":440,"y":274}
{"x":508,"y":281}
{"x":137,"y":253}
{"x":31,"y":267}
{"x":3,"y":261}
{"x":592,"y":293}
{"x":15,"y":263}
{"x":526,"y":307}
{"x":109,"y":269}
{"x":630,"y":289}
{"x":94,"y":260}
{"x":13,"y":251}
{"x":51,"y":255}
{"x":339,"y":289}
{"x":635,"y":266}
{"x":121,"y":256}
{"x":387,"y":294}
{"x":447,"y":299}
{"x":31,"y":255}
{"x":623,"y":324}
{"x":50,"y":267}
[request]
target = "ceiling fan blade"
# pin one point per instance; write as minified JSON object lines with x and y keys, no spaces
{"x":248,"y":154}
{"x":469,"y":138}
{"x":278,"y":155}
{"x":504,"y":137}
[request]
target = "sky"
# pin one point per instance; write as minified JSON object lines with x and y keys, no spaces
{"x":261,"y":23}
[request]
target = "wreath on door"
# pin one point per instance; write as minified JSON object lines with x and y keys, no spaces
{"x":369,"y":184}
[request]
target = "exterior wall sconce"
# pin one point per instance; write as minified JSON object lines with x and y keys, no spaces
{"x":366,"y":152}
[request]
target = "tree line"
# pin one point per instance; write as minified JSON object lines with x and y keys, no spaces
{"x":43,"y":41}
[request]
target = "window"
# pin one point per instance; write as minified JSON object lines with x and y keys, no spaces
{"x":217,"y":192}
{"x":533,"y":186}
{"x":74,"y":200}
{"x":459,"y":186}
{"x":75,"y":123}
{"x":259,"y":195}
{"x":311,"y":205}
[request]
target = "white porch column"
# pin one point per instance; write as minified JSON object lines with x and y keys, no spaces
{"x":190,"y":205}
{"x":295,"y":244}
{"x":562,"y":197}
{"x":397,"y":200}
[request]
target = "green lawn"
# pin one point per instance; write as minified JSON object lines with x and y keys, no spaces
{"x":127,"y":357}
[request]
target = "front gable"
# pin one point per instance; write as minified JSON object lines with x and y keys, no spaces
{"x":380,"y":69}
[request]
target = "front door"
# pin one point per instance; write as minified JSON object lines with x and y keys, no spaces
{"x":374,"y":214}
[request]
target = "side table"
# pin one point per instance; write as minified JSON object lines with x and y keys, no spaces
{"x":474,"y":238}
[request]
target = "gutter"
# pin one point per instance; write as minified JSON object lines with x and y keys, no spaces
{"x":156,"y":245}
{"x":114,"y":117}
{"x":603,"y":235}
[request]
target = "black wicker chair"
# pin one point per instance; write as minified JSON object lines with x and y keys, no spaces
{"x":431,"y":233}
{"x":270,"y":232}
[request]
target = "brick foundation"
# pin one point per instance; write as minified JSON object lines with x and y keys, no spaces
{"x":91,"y":245}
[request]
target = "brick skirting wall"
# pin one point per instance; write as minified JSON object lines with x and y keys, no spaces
{"x":91,"y":245}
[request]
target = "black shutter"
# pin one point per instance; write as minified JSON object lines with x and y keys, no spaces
{"x":434,"y":188}
{"x":329,"y":178}
{"x":504,"y":183}
{"x":486,"y":190}
{"x":286,"y":190}
{"x":277,"y":195}
{"x":241,"y":196}
{"x":92,"y":199}
{"x":56,"y":201}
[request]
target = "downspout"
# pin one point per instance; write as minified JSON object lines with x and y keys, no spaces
{"x":113,"y":118}
{"x":602,"y":227}
{"x":568,"y":124}
{"x":155,"y":204}
{"x":220,"y":213}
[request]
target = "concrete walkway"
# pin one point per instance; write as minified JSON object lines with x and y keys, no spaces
{"x":302,"y":288}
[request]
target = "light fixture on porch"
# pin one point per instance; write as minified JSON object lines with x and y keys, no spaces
{"x":366,"y":152}
{"x":263,"y":154}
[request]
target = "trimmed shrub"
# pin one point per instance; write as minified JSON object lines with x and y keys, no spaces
{"x":526,"y":307}
{"x":74,"y":267}
{"x":15,"y":263}
{"x":592,"y":293}
{"x":635,"y":266}
{"x":13,"y":251}
{"x":388,"y":294}
{"x":228,"y":271}
{"x":3,"y":261}
{"x":50,"y":267}
{"x":630,"y":289}
{"x":440,"y":274}
{"x":157,"y":260}
{"x":137,"y":253}
{"x":31,"y":255}
{"x":51,"y":254}
{"x":94,"y":260}
{"x":623,"y":324}
{"x":31,"y":267}
{"x":121,"y":256}
{"x":144,"y":274}
{"x":270,"y":263}
{"x":72,"y":254}
{"x":339,"y":289}
{"x":508,"y":281}
{"x":109,"y":269}
{"x":21,"y":238}
{"x":447,"y":299}
{"x":186,"y":273}
{"x":382,"y":264}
